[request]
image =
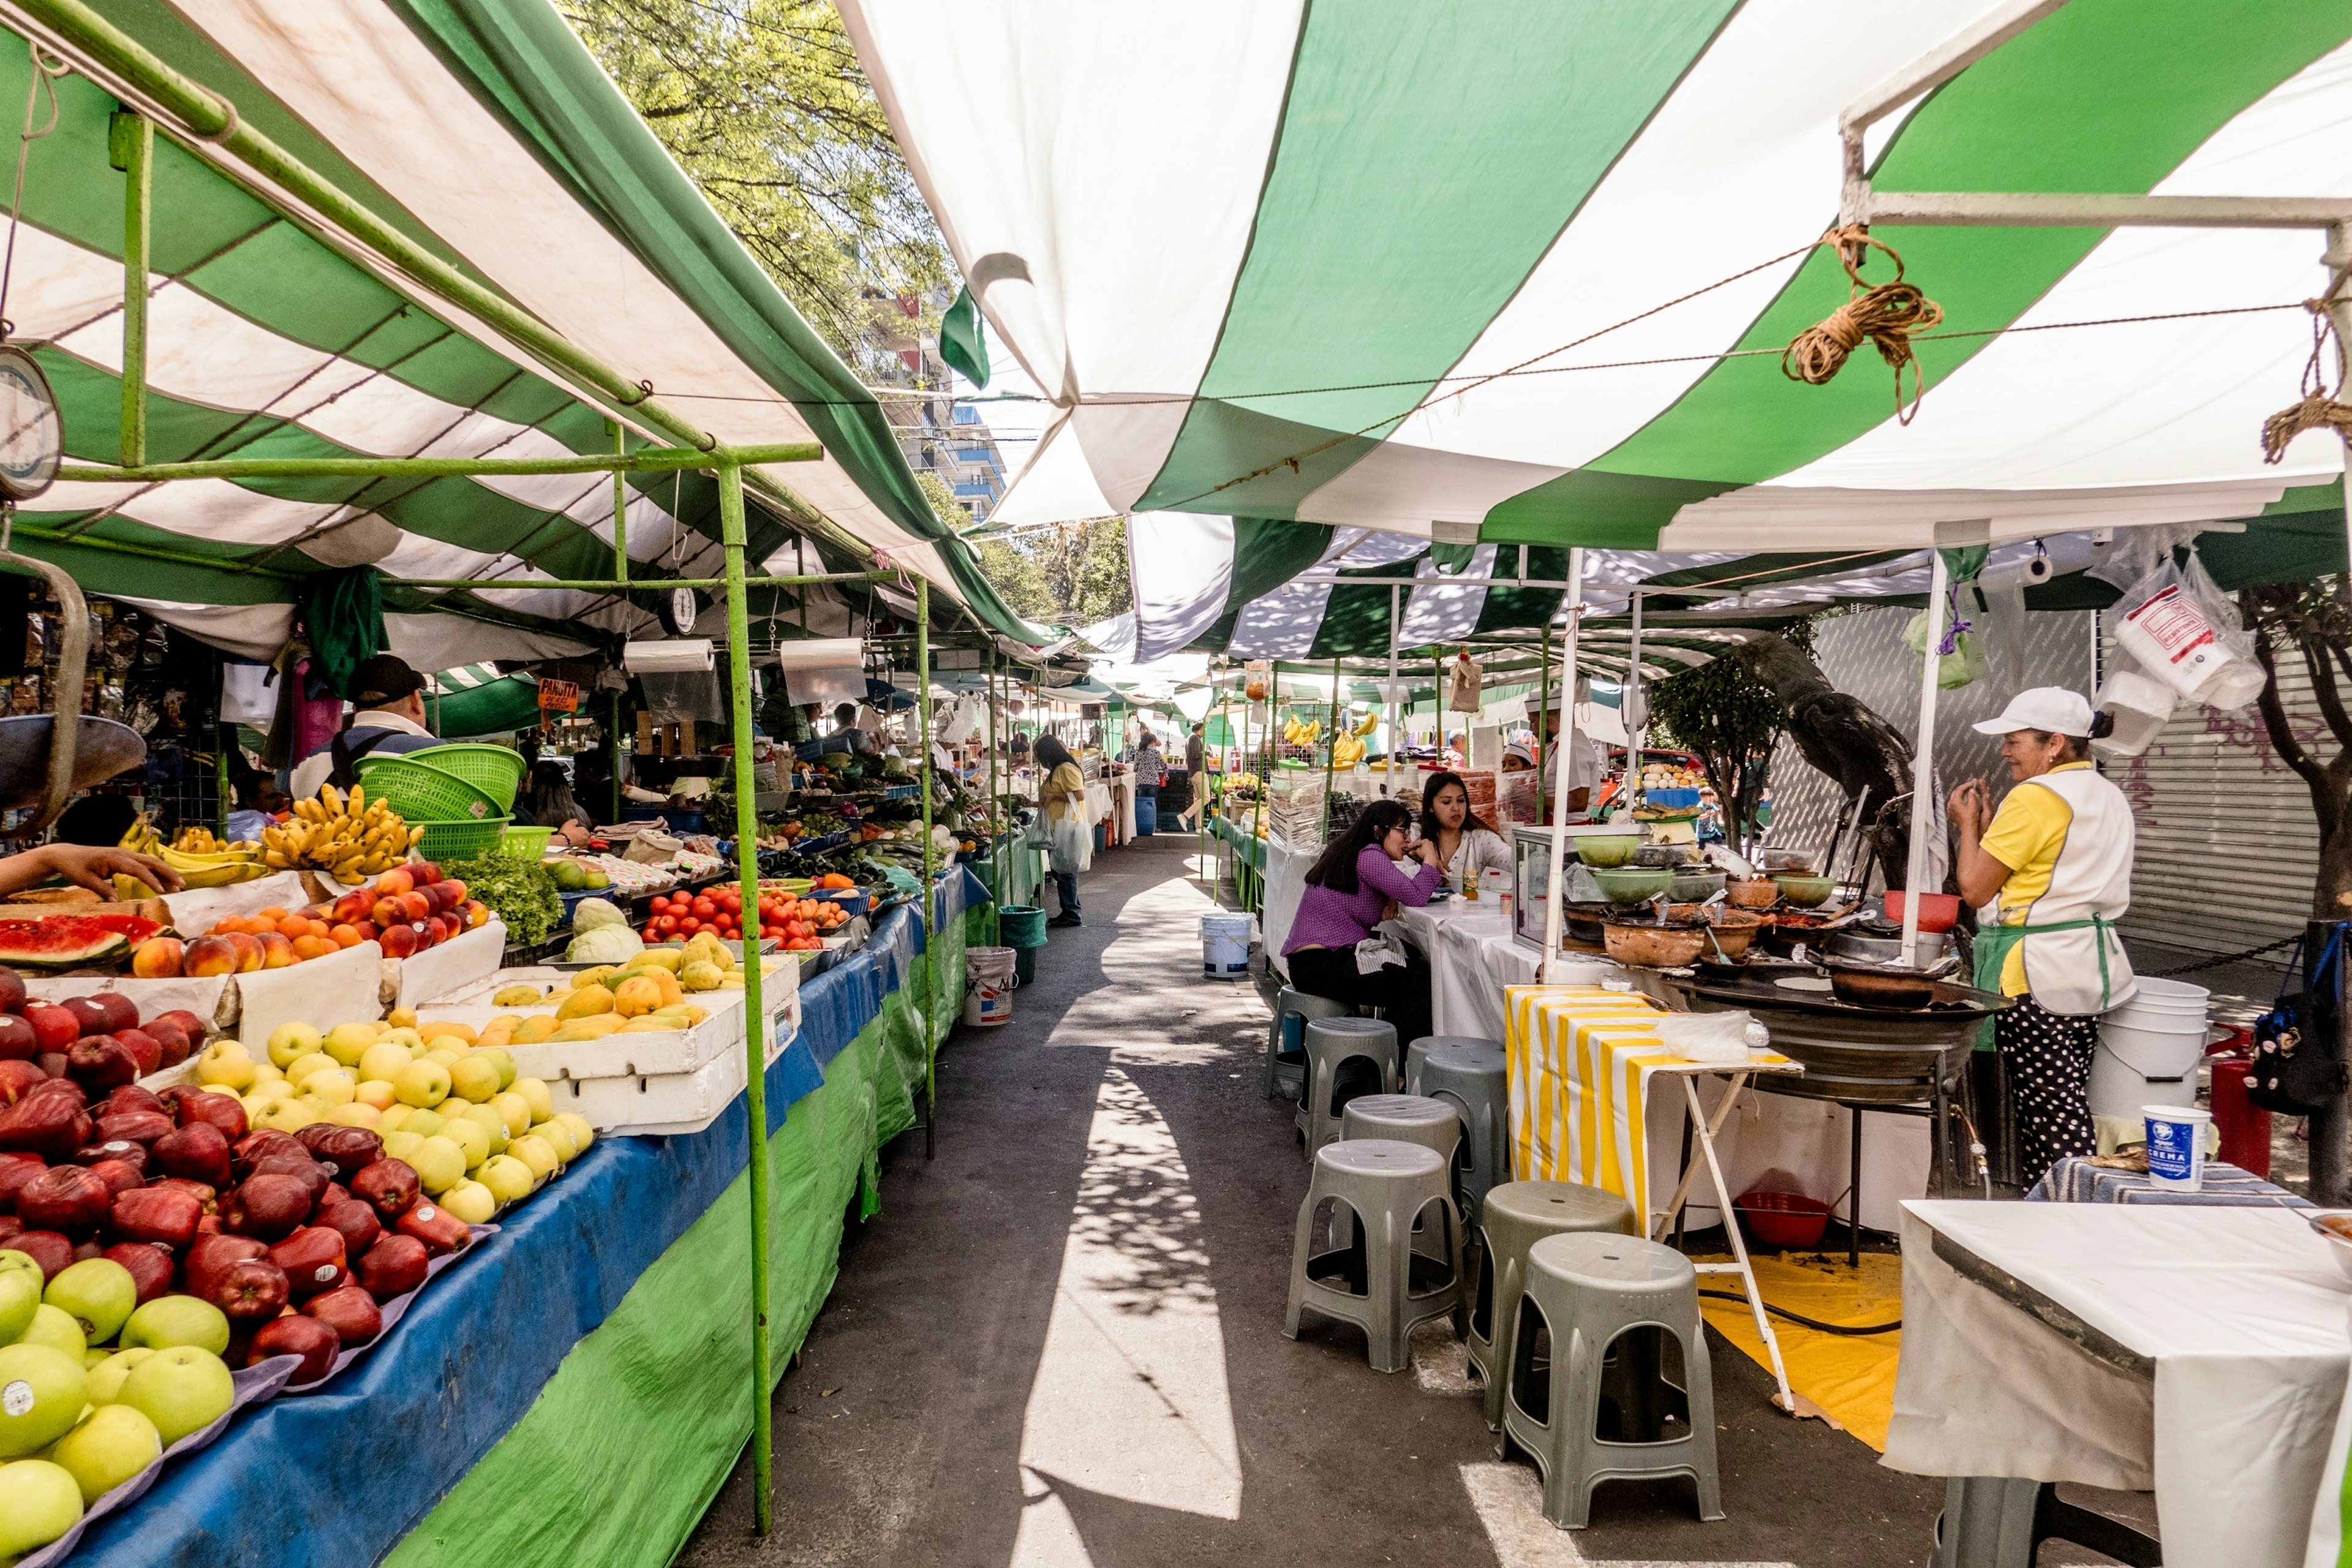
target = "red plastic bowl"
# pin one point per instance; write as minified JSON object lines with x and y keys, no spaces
{"x":1783,"y":1219}
{"x":1937,"y":911}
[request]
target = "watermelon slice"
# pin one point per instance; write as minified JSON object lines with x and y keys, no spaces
{"x":62,"y":942}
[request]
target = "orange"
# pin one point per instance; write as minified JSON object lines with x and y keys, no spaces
{"x":346,"y":936}
{"x":293,"y":926}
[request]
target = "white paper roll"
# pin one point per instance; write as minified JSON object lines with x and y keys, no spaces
{"x":678,"y":656}
{"x":824,"y":669}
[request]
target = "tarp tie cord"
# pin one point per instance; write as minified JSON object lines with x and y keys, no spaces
{"x":45,"y":78}
{"x":1886,"y":315}
{"x":2319,"y":409}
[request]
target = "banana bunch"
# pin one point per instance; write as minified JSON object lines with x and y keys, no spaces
{"x":347,"y":836}
{"x":198,"y":840}
{"x":201,"y":859}
{"x":141,"y":837}
{"x":1346,"y":751}
{"x":1372,"y":722}
{"x":1301,"y":731}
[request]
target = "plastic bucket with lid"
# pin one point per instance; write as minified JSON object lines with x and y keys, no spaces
{"x":2149,"y":1049}
{"x":990,"y":973}
{"x":2175,"y":1146}
{"x":1147,"y":816}
{"x":1225,"y":945}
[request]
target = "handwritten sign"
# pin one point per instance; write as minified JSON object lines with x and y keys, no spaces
{"x":559,"y":696}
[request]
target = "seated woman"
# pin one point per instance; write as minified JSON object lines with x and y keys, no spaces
{"x":1352,"y":886}
{"x":549,"y":802}
{"x":1466,"y":846}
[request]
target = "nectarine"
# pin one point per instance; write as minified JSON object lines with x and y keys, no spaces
{"x":158,"y":958}
{"x":210,"y":955}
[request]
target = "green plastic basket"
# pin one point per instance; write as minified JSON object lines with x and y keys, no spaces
{"x":494,"y":770}
{"x":423,"y":793}
{"x":459,"y":841}
{"x":526,"y":843}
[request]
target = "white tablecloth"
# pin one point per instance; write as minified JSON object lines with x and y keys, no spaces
{"x":2241,"y":1311}
{"x":1471,"y":958}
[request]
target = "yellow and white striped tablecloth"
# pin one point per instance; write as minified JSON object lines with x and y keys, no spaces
{"x":1581,"y":1060}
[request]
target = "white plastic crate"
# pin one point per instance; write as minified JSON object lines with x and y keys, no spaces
{"x":663,"y":1103}
{"x":642,"y":1054}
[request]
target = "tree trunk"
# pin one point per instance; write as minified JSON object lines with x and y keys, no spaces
{"x":1843,"y":737}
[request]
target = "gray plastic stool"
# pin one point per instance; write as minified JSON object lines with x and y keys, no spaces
{"x":1516,"y":1216}
{"x":1377,"y":1281}
{"x":1331,"y":1043}
{"x":1418,"y":1052}
{"x":1474,"y":1080}
{"x":1608,"y":1412}
{"x":1406,"y":1118}
{"x":1285,"y":1049}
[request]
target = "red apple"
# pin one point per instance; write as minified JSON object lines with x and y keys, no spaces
{"x":166,"y":1215}
{"x":149,"y":1266}
{"x":225,"y":1113}
{"x":45,"y":1121}
{"x":266,"y":1207}
{"x":123,"y":1169}
{"x":53,"y":1252}
{"x":340,"y":1149}
{"x":15,"y":1078}
{"x":144,"y":1128}
{"x":52,"y":1026}
{"x":119,"y":1011}
{"x":209,"y":1255}
{"x":251,"y":1290}
{"x":189,"y":1024}
{"x":262,"y":1141}
{"x":130,"y":1097}
{"x":16,"y":1170}
{"x":90,"y":1018}
{"x":12,"y":991}
{"x":393,"y":1266}
{"x":336,"y":1193}
{"x":70,"y":1199}
{"x":196,"y":1151}
{"x":301,"y":1166}
{"x":355,"y":1221}
{"x":296,"y":1335}
{"x":204,"y":1192}
{"x":388,"y":1186}
{"x":145,"y":1049}
{"x":17,"y":1041}
{"x":350,"y":1311}
{"x":312,"y":1258}
{"x":437,"y":1228}
{"x":170,"y":1037}
{"x":100,"y":1062}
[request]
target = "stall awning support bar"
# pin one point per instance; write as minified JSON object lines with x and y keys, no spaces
{"x":131,"y":147}
{"x":1555,"y":884}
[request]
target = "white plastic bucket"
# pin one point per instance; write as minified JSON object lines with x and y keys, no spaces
{"x":2149,"y":1048}
{"x":987,"y":985}
{"x":1225,"y":946}
{"x":2175,"y":1146}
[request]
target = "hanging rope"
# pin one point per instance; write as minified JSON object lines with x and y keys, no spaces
{"x":1886,"y":315}
{"x":44,"y":84}
{"x":2319,"y":409}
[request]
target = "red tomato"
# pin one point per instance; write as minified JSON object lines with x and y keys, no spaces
{"x":667,"y":924}
{"x":689,"y":926}
{"x":649,"y":934}
{"x":705,"y":906}
{"x":732,"y":901}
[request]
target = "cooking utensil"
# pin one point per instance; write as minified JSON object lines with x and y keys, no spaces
{"x":1874,"y":949}
{"x":1871,"y":986}
{"x":1937,"y":911}
{"x":1805,"y":891}
{"x":1606,"y":848}
{"x":1653,"y":947}
{"x":1665,"y":854}
{"x":1633,"y":884}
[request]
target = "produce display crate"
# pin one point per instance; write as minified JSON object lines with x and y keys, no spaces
{"x":423,"y":793}
{"x":647,"y":1055}
{"x":669,"y":1105}
{"x":458,"y":840}
{"x":457,"y":962}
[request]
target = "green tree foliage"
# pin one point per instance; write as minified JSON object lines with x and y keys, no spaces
{"x":765,"y":106}
{"x":1731,"y":722}
{"x":1071,"y":574}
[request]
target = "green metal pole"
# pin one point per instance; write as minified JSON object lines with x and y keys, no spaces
{"x":1265,"y":759}
{"x":130,"y":146}
{"x":998,"y":854}
{"x":930,"y":869}
{"x":755,"y":1018}
{"x":613,"y":744}
{"x":620,"y":501}
{"x":221,"y":793}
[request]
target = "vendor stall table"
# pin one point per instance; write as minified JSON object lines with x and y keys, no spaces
{"x":509,"y":1417}
{"x":2200,"y":1351}
{"x":1472,"y":959}
{"x":2074,"y":1180}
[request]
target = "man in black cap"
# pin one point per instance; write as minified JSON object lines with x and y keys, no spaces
{"x":391,"y":719}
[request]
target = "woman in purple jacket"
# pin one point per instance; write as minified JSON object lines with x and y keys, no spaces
{"x":1352,"y":886}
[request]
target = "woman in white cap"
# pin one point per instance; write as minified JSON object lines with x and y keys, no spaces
{"x":2058,"y":857}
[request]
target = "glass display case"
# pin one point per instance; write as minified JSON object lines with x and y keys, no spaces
{"x":1531,"y":870}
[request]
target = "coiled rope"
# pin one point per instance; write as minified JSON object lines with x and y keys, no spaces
{"x":1885,"y":314}
{"x":2319,"y":409}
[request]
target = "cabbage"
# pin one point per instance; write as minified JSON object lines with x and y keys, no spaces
{"x":604,"y":944}
{"x":595,"y":912}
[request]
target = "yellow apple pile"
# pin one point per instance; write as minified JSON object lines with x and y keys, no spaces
{"x":646,"y":995}
{"x":450,"y":1104}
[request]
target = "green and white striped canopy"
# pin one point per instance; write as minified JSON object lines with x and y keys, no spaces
{"x":484,"y":131}
{"x":1459,"y":272}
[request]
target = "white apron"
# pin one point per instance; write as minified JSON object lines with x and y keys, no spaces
{"x":2091,"y":880}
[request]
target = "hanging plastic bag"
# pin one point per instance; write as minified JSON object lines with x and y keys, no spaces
{"x":1255,"y":674}
{"x":2182,"y":630}
{"x":1960,"y":659}
{"x":1461,"y":682}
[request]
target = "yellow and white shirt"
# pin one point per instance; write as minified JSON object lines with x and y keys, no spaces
{"x":2067,"y":839}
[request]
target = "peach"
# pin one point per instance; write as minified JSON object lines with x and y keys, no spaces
{"x":399,"y":941}
{"x":394,"y":883}
{"x":307,"y":946}
{"x":417,"y":905}
{"x":386,"y":912}
{"x":250,"y":954}
{"x":346,"y":936}
{"x":158,"y":958}
{"x":276,"y":952}
{"x":210,"y":955}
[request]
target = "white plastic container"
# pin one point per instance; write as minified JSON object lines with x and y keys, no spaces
{"x":2175,"y":1146}
{"x":988,"y":982}
{"x":1720,"y":1040}
{"x":2140,"y":708}
{"x":2171,"y":638}
{"x":1573,"y":970}
{"x":2149,"y":1049}
{"x":1225,"y":945}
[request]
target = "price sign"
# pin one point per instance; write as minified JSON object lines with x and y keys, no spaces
{"x":559,"y":696}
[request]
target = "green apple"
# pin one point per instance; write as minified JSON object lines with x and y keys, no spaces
{"x":582,"y":1134}
{"x":169,"y":1321}
{"x":471,"y":1202}
{"x":288,"y":1043}
{"x":406,"y":1038}
{"x":487,"y":1119}
{"x":332,"y":1089}
{"x":106,"y":1377}
{"x":184,"y":1389}
{"x":423,"y":1122}
{"x":516,"y":1110}
{"x":558,"y":1137}
{"x":115,"y":1443}
{"x":38,"y":1503}
{"x":536,"y":1153}
{"x":381,"y":1062}
{"x":423,"y":1082}
{"x":98,"y":1293}
{"x":502,"y":1058}
{"x":439,"y":1164}
{"x":20,"y":1298}
{"x":468,"y":1136}
{"x":472,"y":1079}
{"x":55,"y":1327}
{"x":303,"y":1066}
{"x":534,"y":1092}
{"x":42,"y":1391}
{"x":508,"y":1179}
{"x":401,"y":1144}
{"x":346,"y":1043}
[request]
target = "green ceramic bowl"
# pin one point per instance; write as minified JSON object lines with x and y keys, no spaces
{"x":1803,"y":891}
{"x":1633,"y":884}
{"x":1606,"y":848}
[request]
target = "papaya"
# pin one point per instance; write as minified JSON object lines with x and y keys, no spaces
{"x":585,"y":1002}
{"x":535,"y":1028}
